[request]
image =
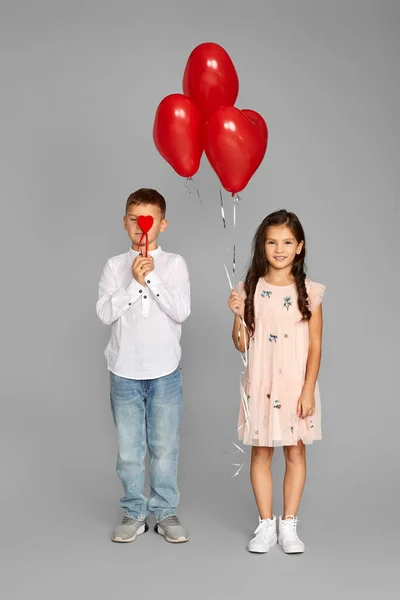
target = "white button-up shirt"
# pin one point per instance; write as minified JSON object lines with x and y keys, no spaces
{"x":146,"y":322}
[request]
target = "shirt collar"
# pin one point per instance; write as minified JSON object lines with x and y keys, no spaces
{"x":133,"y":253}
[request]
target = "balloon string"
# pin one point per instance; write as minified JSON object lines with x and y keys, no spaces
{"x":243,"y":398}
{"x":236,"y":200}
{"x":223,"y":211}
{"x":189,"y":191}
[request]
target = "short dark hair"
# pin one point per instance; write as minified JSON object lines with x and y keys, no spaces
{"x":147,"y":196}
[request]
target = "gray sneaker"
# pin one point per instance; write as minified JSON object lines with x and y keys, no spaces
{"x":172,"y":530}
{"x":129,"y":529}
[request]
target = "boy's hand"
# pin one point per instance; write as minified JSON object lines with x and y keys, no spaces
{"x":141,"y":266}
{"x":149,"y":267}
{"x":236,"y":304}
{"x":306,"y":405}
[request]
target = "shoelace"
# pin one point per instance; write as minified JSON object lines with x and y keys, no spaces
{"x":290,"y":528}
{"x":263,"y":529}
{"x":172,"y":520}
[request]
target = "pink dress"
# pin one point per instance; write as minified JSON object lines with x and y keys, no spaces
{"x":277,"y":360}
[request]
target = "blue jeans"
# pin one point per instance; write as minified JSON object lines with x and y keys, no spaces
{"x":148,"y":414}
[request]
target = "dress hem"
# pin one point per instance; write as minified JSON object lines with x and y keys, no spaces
{"x":280,"y":444}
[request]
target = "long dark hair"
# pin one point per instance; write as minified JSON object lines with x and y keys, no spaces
{"x":259,"y":264}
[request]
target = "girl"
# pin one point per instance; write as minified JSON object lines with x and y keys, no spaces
{"x":282,"y":330}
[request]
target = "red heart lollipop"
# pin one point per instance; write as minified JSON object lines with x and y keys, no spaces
{"x":145,"y":223}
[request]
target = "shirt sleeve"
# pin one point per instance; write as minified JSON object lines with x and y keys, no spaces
{"x":172,"y":297}
{"x":113,"y":302}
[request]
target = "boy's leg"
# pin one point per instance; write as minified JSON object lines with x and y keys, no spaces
{"x":129,"y":413}
{"x":163,"y":411}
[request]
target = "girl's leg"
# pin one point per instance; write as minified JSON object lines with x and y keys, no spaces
{"x":295,"y":478}
{"x":261,"y":479}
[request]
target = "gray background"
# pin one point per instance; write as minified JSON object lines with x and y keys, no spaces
{"x":80,"y":83}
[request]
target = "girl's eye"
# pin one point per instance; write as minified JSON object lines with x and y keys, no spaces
{"x":290,"y":243}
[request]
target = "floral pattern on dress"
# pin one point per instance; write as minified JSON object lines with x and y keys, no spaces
{"x":276,"y":368}
{"x":287,"y":302}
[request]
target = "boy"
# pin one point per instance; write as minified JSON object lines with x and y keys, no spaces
{"x":146,"y":300}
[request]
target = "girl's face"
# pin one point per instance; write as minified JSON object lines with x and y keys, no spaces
{"x":281,"y":246}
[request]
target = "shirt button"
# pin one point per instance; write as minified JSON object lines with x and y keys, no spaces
{"x":145,"y":297}
{"x":130,"y":303}
{"x":140,"y":291}
{"x":158,"y":295}
{"x":148,"y":281}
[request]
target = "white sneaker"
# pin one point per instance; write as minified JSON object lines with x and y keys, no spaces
{"x":288,"y":538}
{"x":265,"y":536}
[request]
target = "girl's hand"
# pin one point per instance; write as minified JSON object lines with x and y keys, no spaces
{"x":236,"y":304}
{"x":306,"y":405}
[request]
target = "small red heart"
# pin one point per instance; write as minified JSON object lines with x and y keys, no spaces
{"x":145,"y":223}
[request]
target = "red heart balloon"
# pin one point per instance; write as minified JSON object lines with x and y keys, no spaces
{"x":177,"y":134}
{"x":145,"y":223}
{"x":210,"y":78}
{"x":235,"y":147}
{"x":258,"y":120}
